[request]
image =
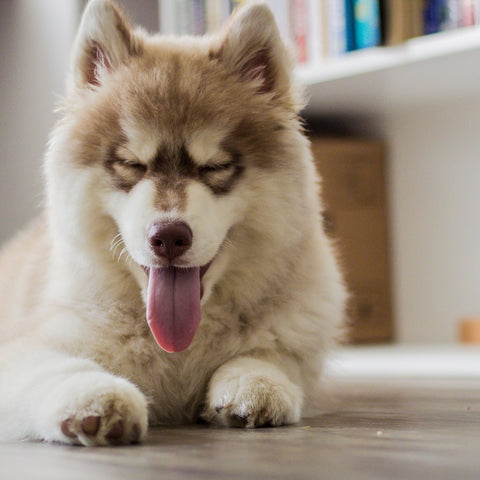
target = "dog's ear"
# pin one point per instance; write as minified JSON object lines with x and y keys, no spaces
{"x":104,"y":41}
{"x":251,"y":46}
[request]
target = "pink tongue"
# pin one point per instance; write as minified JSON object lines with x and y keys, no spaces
{"x":173,"y":306}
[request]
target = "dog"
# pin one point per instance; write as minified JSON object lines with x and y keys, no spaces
{"x":179,"y":271}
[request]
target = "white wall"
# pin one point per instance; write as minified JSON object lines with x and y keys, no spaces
{"x":435,"y":218}
{"x":433,"y":175}
{"x":35,"y":41}
{"x":35,"y":38}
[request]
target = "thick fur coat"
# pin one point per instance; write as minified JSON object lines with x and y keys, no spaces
{"x":197,"y":139}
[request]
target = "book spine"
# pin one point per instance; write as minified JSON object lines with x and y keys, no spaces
{"x":315,"y":37}
{"x":198,"y":20}
{"x":433,"y":16}
{"x":366,"y":23}
{"x":336,"y":33}
{"x":299,"y":29}
{"x":212,"y":15}
{"x":182,"y":19}
{"x":476,"y":11}
{"x":167,"y":17}
{"x":467,"y":13}
{"x":451,"y":15}
{"x":395,"y":22}
{"x":415,"y":19}
{"x":349,"y":26}
{"x":319,"y":29}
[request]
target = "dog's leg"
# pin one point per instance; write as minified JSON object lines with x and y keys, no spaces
{"x":49,"y":396}
{"x":251,"y":392}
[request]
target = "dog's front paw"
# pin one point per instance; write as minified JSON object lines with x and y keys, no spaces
{"x":95,"y":409}
{"x":252,"y":393}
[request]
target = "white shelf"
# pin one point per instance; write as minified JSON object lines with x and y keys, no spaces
{"x":405,"y":361}
{"x":441,"y":67}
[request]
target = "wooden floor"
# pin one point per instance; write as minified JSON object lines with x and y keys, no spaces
{"x":379,"y":429}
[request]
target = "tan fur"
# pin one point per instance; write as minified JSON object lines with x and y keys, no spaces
{"x":72,"y":287}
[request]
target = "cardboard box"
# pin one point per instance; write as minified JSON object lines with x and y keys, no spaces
{"x":354,"y":196}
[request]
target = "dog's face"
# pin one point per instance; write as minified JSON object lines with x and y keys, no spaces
{"x":182,"y":138}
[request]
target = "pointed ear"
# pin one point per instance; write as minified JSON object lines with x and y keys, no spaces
{"x":251,"y":46}
{"x":104,"y":41}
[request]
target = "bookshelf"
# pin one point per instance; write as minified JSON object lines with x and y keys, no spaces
{"x":423,"y":99}
{"x":435,"y":68}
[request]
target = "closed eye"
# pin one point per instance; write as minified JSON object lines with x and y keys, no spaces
{"x":125,"y":172}
{"x":215,"y":167}
{"x":131,"y":164}
{"x":220,"y":178}
{"x":124,"y":157}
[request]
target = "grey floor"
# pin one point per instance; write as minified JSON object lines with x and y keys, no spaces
{"x":377,"y":429}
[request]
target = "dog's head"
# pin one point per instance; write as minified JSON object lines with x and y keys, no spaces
{"x":179,"y":141}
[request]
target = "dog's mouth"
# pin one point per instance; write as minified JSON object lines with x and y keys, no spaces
{"x":173,"y":305}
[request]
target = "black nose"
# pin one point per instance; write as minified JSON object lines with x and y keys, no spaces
{"x":170,"y":240}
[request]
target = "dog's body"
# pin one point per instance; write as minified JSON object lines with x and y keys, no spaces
{"x":179,"y":171}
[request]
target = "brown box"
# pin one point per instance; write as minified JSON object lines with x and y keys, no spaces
{"x":354,"y":196}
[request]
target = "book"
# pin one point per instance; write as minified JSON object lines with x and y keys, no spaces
{"x":198,"y":21}
{"x":316,"y":41}
{"x":298,"y":16}
{"x":335,"y":21}
{"x":433,"y":16}
{"x":415,"y":18}
{"x":182,"y":17}
{"x":467,"y":12}
{"x":442,"y":15}
{"x":167,"y":17}
{"x":396,"y":19}
{"x":366,"y":14}
{"x":451,"y":15}
{"x":320,"y":29}
{"x":476,"y":11}
{"x":350,"y":26}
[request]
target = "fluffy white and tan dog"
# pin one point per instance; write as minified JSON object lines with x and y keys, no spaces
{"x":179,"y":270}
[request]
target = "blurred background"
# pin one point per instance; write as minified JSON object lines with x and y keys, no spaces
{"x":394,"y":116}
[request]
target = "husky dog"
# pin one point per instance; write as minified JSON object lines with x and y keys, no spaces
{"x":179,"y":271}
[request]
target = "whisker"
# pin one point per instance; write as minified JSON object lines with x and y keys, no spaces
{"x":227,"y":242}
{"x":114,"y":249}
{"x":124,"y":251}
{"x":115,"y":241}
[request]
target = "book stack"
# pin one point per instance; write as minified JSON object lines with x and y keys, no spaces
{"x":412,"y":18}
{"x":322,"y":29}
{"x":194,"y":17}
{"x":442,"y":15}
